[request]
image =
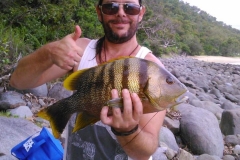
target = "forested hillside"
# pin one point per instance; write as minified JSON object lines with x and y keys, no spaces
{"x":169,"y":26}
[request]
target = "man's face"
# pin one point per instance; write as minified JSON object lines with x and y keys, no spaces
{"x":120,"y":27}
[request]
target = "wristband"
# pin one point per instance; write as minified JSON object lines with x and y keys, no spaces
{"x":124,"y":133}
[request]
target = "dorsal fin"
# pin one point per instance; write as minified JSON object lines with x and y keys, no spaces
{"x":70,"y":83}
{"x":114,"y":59}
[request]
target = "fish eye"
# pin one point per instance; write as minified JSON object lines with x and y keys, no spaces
{"x":170,"y":80}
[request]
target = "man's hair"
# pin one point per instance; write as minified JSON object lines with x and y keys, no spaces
{"x":100,"y":2}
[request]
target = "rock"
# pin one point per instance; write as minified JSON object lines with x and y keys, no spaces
{"x":176,"y":73}
{"x":201,"y":133}
{"x":167,"y":137}
{"x":227,"y":89}
{"x":187,"y":83}
{"x":191,"y":97}
{"x":22,"y":112}
{"x":216,"y":92}
{"x":232,"y":139}
{"x":14,"y":131}
{"x":42,"y":103}
{"x":180,"y":141}
{"x":228,"y":157}
{"x":236,"y":149}
{"x":210,"y":106}
{"x":10,"y":100}
{"x":59,"y":92}
{"x":207,"y":97}
{"x":230,"y":122}
{"x":229,"y":105}
{"x":40,"y":91}
{"x":200,"y":81}
{"x":184,"y":155}
{"x":231,"y":97}
{"x":218,"y":80}
{"x":172,"y":124}
{"x":170,"y":153}
{"x":159,"y":154}
{"x":7,"y":157}
{"x":208,"y":157}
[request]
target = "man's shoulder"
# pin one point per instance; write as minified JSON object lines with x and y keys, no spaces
{"x":83,"y":42}
{"x":151,"y":57}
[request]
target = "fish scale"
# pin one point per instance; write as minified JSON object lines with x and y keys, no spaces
{"x":117,"y":68}
{"x":134,"y":79}
{"x":157,"y":88}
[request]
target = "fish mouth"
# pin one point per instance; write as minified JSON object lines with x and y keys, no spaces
{"x":182,"y":98}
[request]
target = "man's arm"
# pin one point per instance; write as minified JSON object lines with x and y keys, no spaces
{"x":34,"y":70}
{"x":49,"y":62}
{"x":143,"y":143}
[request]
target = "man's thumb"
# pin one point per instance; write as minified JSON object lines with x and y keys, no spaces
{"x":77,"y":33}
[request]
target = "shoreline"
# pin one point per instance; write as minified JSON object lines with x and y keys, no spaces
{"x":219,"y":59}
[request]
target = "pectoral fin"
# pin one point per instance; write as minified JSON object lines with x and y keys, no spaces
{"x":83,"y":120}
{"x":115,"y":103}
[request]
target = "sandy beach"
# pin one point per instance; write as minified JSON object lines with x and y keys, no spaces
{"x":219,"y":59}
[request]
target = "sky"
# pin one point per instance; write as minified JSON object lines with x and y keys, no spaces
{"x":227,"y":11}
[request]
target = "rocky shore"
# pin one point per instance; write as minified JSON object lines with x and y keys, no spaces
{"x":205,"y":128}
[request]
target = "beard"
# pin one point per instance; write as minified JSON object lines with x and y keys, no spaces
{"x":114,"y":37}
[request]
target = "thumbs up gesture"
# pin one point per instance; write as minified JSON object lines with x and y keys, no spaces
{"x":65,"y":53}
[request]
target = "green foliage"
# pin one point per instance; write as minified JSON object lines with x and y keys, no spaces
{"x":36,"y":22}
{"x":11,"y":46}
{"x":176,"y":26}
{"x":169,"y":26}
{"x":4,"y":51}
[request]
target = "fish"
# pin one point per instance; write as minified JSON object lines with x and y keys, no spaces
{"x":157,"y":88}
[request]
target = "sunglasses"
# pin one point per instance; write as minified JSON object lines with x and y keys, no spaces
{"x":113,"y":8}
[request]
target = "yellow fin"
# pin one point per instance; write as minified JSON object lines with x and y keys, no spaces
{"x":83,"y":120}
{"x":70,"y":83}
{"x":43,"y":114}
{"x":114,"y":59}
{"x":115,"y":103}
{"x":56,"y":134}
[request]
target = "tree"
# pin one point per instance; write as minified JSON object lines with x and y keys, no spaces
{"x":168,"y":26}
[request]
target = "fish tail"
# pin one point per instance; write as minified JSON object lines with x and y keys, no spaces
{"x":58,"y":115}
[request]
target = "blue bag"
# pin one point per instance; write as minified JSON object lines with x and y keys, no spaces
{"x":40,"y":146}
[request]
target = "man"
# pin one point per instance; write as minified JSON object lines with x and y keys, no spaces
{"x":136,"y":133}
